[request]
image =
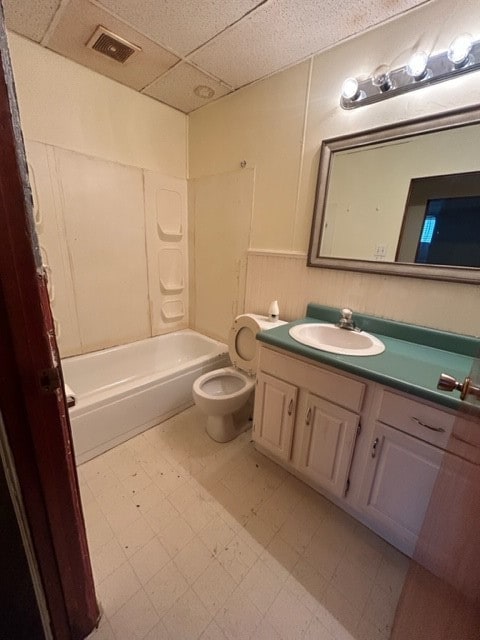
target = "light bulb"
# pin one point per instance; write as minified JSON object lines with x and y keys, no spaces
{"x":417,"y":65}
{"x":350,"y":89}
{"x":459,"y":50}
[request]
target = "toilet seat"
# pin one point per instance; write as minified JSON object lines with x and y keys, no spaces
{"x":242,"y":343}
{"x":203,"y":386}
{"x":226,"y":395}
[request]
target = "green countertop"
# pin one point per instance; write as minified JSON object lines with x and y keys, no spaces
{"x":413,"y":359}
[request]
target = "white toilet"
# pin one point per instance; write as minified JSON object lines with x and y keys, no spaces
{"x":226,"y":395}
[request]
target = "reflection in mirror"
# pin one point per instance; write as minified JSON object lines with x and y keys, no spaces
{"x":442,"y":221}
{"x":402,"y":200}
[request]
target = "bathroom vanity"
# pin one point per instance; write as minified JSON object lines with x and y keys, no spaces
{"x":369,"y":433}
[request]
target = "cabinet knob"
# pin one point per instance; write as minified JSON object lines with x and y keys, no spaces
{"x":309,"y":415}
{"x":374,"y":447}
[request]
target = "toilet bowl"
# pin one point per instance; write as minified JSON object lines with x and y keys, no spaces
{"x":226,"y":395}
{"x":221,"y":394}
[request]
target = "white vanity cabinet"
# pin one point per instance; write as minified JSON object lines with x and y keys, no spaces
{"x":308,"y":416}
{"x":274,"y":414}
{"x":328,"y":436}
{"x":399,"y":477}
{"x":406,"y":450}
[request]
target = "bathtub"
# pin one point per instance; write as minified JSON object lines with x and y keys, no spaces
{"x":124,"y":390}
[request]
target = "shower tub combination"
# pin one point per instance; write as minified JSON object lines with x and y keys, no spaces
{"x":124,"y":390}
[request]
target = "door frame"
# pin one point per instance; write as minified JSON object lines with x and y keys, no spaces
{"x":32,"y":399}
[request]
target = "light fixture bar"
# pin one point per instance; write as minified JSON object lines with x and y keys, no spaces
{"x":439,"y":67}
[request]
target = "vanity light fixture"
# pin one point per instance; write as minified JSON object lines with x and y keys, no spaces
{"x":422,"y":70}
{"x":383,"y":82}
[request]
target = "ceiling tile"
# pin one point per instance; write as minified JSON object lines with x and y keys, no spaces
{"x":30,"y":19}
{"x":283,"y":32}
{"x":181,"y":26}
{"x":177,"y":86}
{"x":75,"y":28}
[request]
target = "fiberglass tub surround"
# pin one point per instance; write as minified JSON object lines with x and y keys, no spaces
{"x":124,"y":390}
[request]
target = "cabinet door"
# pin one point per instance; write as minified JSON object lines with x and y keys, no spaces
{"x":400,"y":475}
{"x":274,"y":414}
{"x":328,"y":441}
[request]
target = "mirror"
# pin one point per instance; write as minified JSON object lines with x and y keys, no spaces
{"x":402,"y":200}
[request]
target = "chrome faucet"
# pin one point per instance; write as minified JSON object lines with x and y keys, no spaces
{"x":346,"y":321}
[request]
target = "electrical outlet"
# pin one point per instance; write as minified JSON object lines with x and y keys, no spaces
{"x":380,"y":252}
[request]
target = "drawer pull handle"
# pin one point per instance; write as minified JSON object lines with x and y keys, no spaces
{"x":374,"y":447}
{"x":290,"y":407}
{"x":309,"y":415}
{"x":427,"y":426}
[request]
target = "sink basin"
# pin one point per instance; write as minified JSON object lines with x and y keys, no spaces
{"x":328,"y":337}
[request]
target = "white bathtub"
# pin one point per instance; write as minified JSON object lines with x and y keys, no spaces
{"x":124,"y":390}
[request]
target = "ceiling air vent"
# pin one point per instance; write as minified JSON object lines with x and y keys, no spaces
{"x":111,"y":45}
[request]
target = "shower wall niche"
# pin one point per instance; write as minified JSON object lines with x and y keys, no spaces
{"x":167,"y":250}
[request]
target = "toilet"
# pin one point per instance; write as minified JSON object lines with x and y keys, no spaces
{"x":226,"y":395}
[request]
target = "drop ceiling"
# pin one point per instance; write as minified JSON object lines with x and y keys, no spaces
{"x":195,"y":51}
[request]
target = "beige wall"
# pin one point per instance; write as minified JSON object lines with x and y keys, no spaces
{"x":277,"y":126}
{"x":108,"y":173}
{"x":69,"y":106}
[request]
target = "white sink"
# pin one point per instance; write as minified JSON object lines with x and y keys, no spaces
{"x":329,"y":337}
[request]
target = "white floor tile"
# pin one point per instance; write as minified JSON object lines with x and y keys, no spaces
{"x":159,"y":632}
{"x":103,"y":632}
{"x":165,"y":588}
{"x":351,"y":581}
{"x":148,"y":560}
{"x":216,"y":535}
{"x":161,"y":515}
{"x":238,"y":618}
{"x":107,"y":558}
{"x":188,"y":618}
{"x":135,"y":618}
{"x":219,"y":530}
{"x":261,"y":585}
{"x":176,"y":535}
{"x":265,"y":631}
{"x":117,"y":589}
{"x":214,"y":586}
{"x":135,"y":536}
{"x":213,"y":632}
{"x":193,"y":559}
{"x":237,"y":558}
{"x":280,"y":557}
{"x":316,"y":631}
{"x":289,"y":617}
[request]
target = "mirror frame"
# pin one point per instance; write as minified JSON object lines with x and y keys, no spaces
{"x":419,"y":126}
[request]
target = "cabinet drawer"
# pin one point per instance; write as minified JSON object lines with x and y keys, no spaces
{"x":415,"y":418}
{"x":339,"y":389}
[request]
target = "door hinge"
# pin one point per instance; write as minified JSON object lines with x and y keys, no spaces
{"x":49,"y":379}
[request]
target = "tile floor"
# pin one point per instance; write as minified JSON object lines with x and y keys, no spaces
{"x":194,"y":539}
